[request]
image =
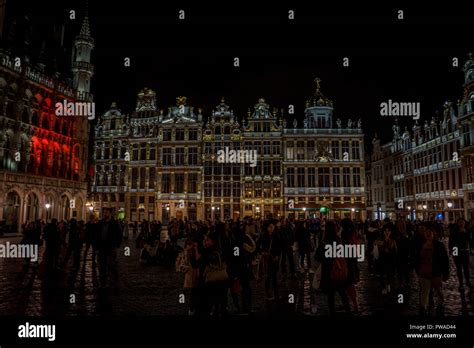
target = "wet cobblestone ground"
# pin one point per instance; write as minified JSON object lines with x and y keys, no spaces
{"x":155,"y":289}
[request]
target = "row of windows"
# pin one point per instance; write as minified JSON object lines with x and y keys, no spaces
{"x":446,"y":152}
{"x":446,"y":180}
{"x":262,"y":190}
{"x":222,"y":189}
{"x":343,"y":150}
{"x":180,"y":135}
{"x":320,"y":177}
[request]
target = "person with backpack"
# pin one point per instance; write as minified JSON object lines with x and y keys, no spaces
{"x":334,"y":272}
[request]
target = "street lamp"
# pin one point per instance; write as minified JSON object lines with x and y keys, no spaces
{"x":425,"y":207}
{"x":47,"y":206}
{"x":450,"y":205}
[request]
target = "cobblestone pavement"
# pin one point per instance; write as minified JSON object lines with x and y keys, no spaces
{"x":155,"y":289}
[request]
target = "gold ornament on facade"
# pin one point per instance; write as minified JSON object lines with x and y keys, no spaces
{"x":181,"y":100}
{"x":318,"y":98}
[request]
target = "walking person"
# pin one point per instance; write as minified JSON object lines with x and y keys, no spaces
{"x":53,"y":244}
{"x":109,"y":239}
{"x":91,"y":241}
{"x":459,"y":246}
{"x":270,"y":248}
{"x":74,"y":245}
{"x":388,"y":257}
{"x":334,"y":272}
{"x":349,"y":236}
{"x":432,"y":268}
{"x":303,"y":238}
{"x":287,"y":239}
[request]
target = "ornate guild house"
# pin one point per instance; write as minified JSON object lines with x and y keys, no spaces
{"x":160,"y":165}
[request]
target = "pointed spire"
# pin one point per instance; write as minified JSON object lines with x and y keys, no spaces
{"x":85,"y":29}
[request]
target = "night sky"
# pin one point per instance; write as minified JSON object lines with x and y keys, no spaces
{"x":407,"y":61}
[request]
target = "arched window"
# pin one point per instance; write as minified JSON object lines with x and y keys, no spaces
{"x":32,"y":207}
{"x":11,"y":211}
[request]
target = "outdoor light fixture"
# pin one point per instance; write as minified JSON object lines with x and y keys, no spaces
{"x":91,"y":208}
{"x":425,"y":206}
{"x":450,"y":205}
{"x":47,"y":205}
{"x":213,"y":208}
{"x":353,"y":209}
{"x":304,"y":209}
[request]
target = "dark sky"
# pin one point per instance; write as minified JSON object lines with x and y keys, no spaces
{"x":408,"y":61}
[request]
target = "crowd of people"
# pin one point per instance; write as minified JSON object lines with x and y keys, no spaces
{"x":237,"y":253}
{"x":224,"y":260}
{"x":74,"y":239}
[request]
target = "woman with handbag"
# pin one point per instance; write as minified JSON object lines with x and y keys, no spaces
{"x":214,"y":278}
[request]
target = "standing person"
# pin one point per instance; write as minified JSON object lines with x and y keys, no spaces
{"x":109,"y":239}
{"x":91,"y":239}
{"x":303,"y":238}
{"x":372,"y":236}
{"x":332,"y":270}
{"x":349,"y":236}
{"x":270,"y":248}
{"x":53,"y":244}
{"x":459,"y":246}
{"x":432,"y":267}
{"x":191,"y":278}
{"x":388,"y":257}
{"x":213,"y":291}
{"x":74,"y":244}
{"x":404,"y":258}
{"x":287,"y":239}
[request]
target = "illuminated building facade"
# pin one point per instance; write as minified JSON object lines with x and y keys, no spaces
{"x":43,"y":157}
{"x":323,"y":163}
{"x":181,"y":167}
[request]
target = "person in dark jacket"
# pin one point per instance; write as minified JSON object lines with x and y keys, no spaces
{"x":53,"y":245}
{"x":349,"y":236}
{"x":432,"y":268}
{"x":270,"y":247}
{"x":91,"y":232}
{"x":328,"y":284}
{"x":287,"y":238}
{"x":303,"y":237}
{"x":108,"y":240}
{"x":213,"y":295}
{"x":74,"y":246}
{"x":459,"y":247}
